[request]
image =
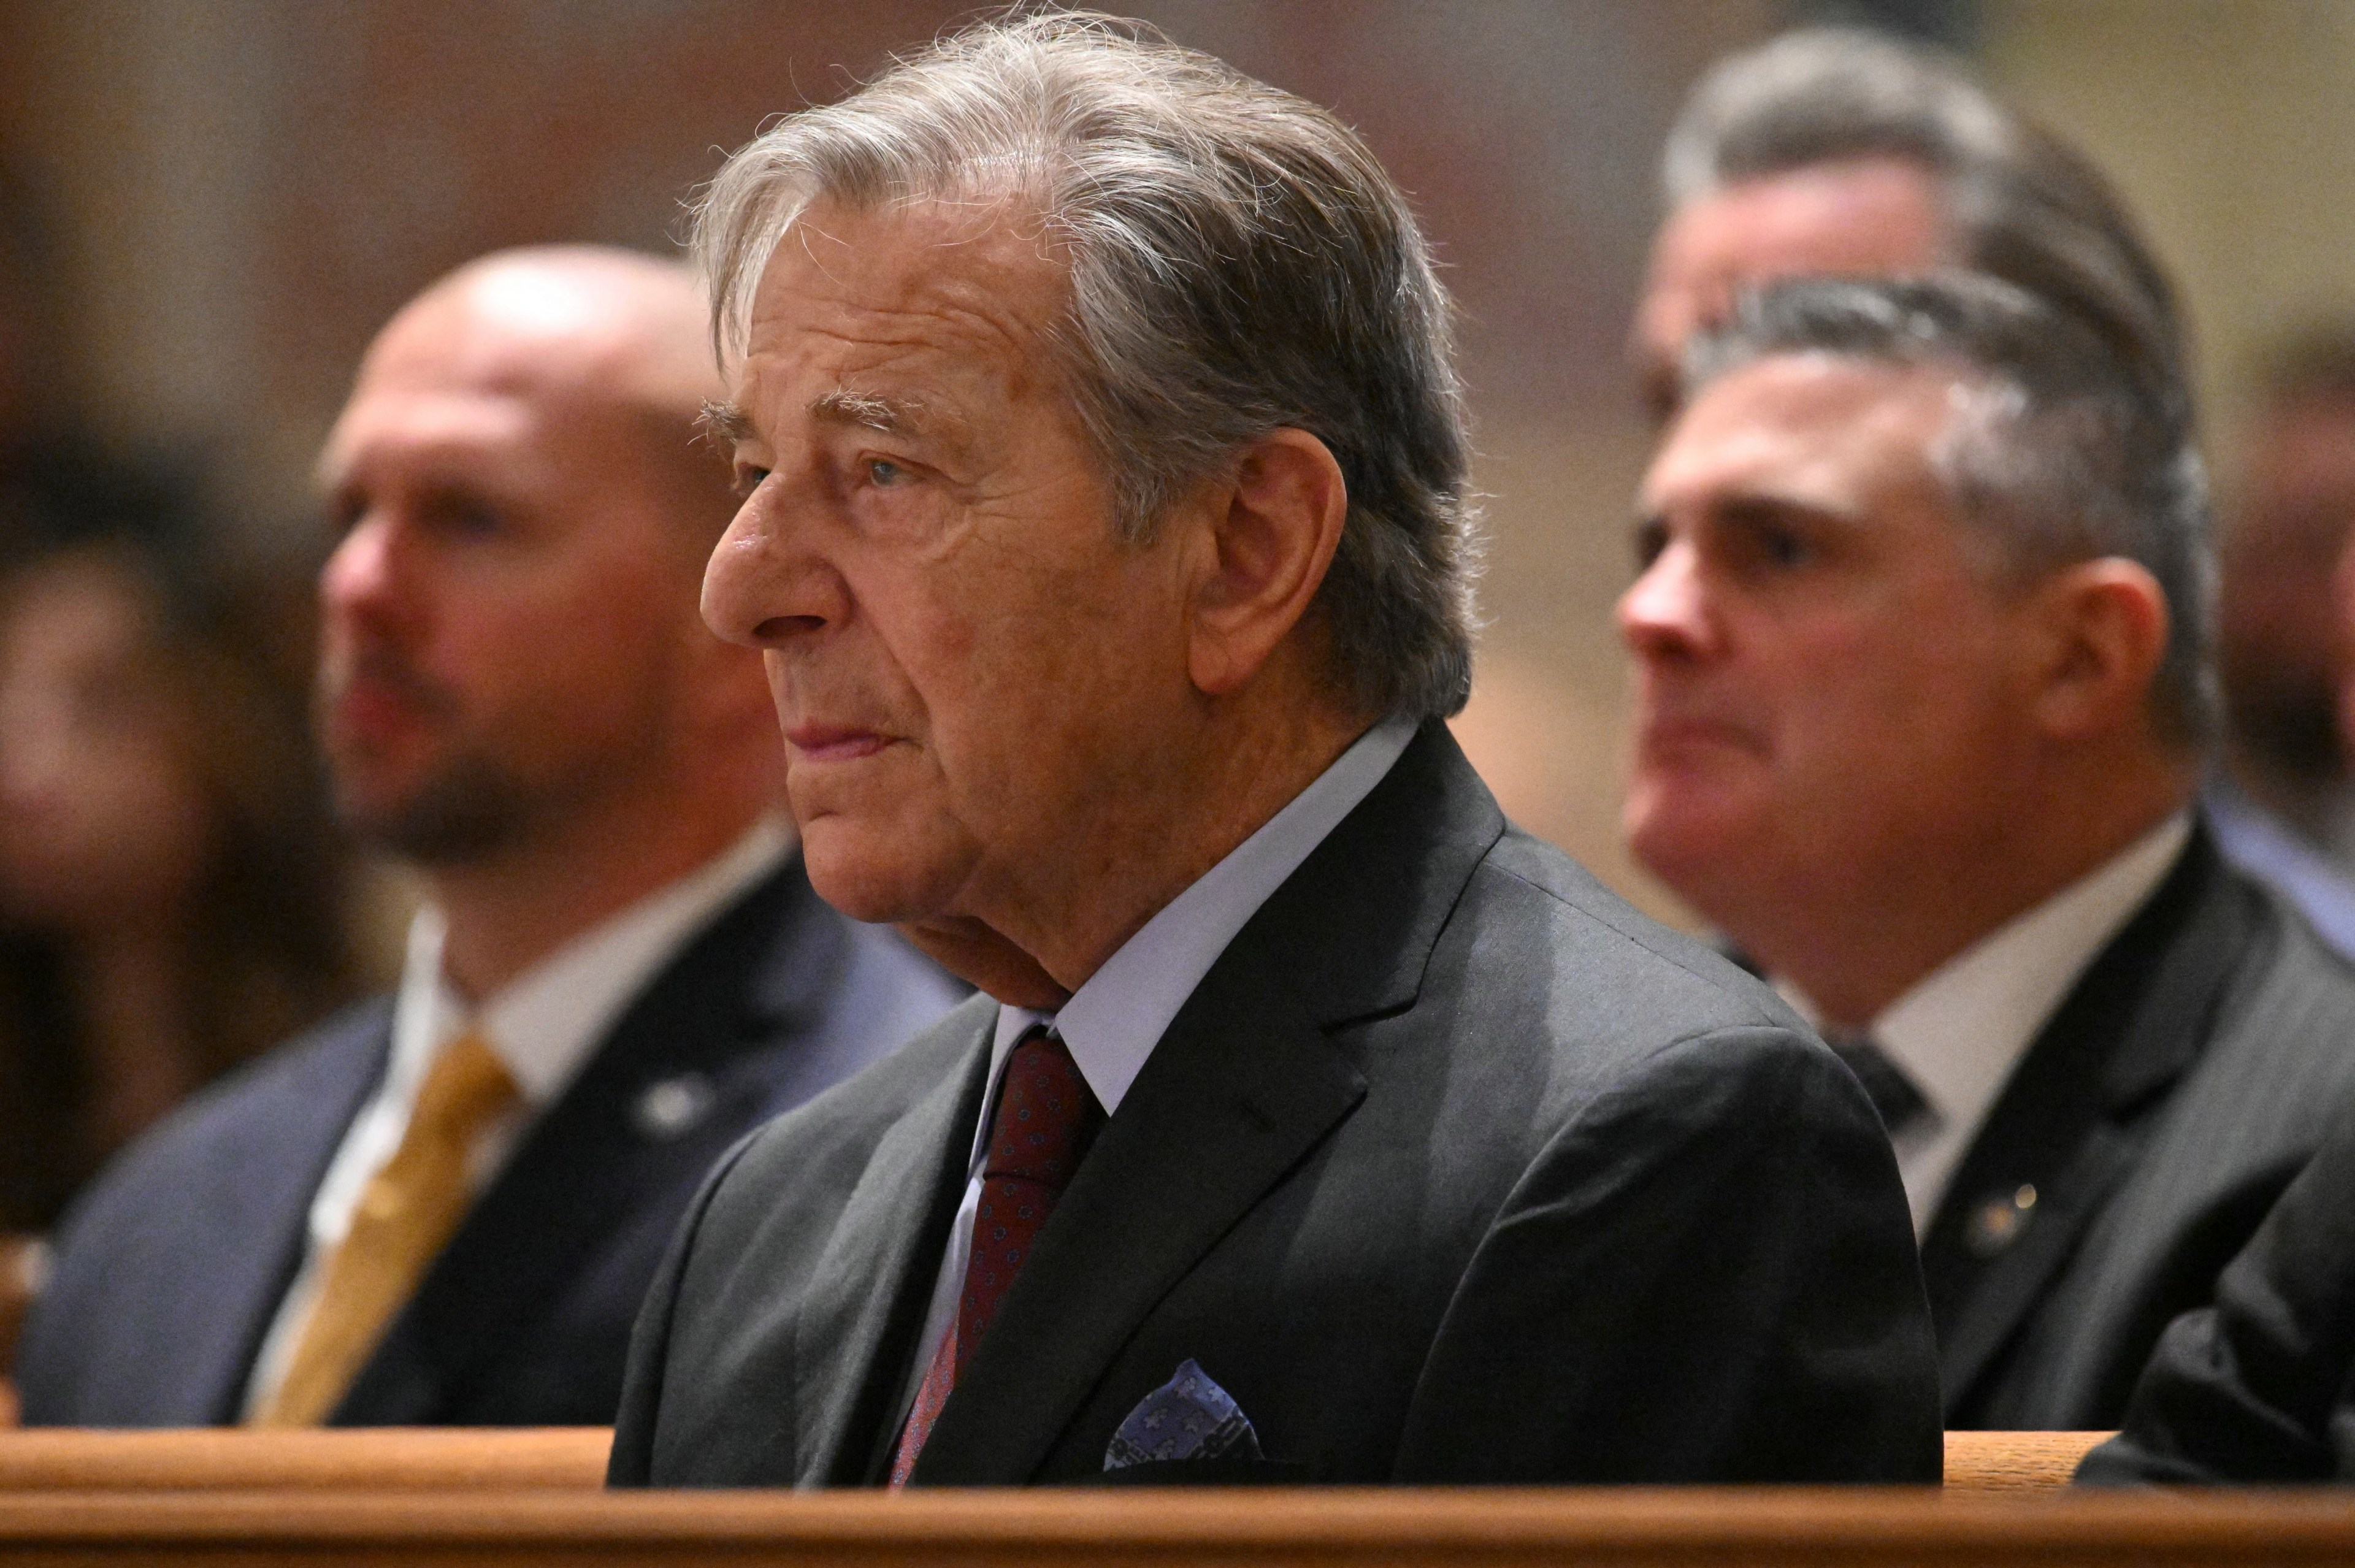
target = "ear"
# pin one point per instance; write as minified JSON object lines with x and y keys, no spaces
{"x":2107,"y":623}
{"x":1272,"y":534}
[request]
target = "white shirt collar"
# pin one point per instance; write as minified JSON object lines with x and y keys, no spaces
{"x":1119,"y":1013}
{"x":544,"y":1021}
{"x":1961,"y":1029}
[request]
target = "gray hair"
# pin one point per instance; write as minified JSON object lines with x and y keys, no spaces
{"x":2062,"y":456}
{"x":1238,"y":264}
{"x":2023,"y":205}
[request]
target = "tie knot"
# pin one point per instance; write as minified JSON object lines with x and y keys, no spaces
{"x":1047,"y":1114}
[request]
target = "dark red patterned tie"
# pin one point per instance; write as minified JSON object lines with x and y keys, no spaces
{"x":1046,"y":1116}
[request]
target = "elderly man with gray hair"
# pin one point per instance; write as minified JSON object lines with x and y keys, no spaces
{"x":1923,"y":694}
{"x":1106,"y":531}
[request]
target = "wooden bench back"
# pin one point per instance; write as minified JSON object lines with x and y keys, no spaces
{"x":1660,"y":1528}
{"x":533,"y":1499}
{"x":574,"y":1457}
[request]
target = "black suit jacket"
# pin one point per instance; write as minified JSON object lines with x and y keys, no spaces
{"x":1452,"y":1168}
{"x":2261,"y":1385}
{"x":169,"y":1271}
{"x":2177,"y":1089}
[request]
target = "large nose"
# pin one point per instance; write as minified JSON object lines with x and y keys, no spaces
{"x":362,"y":577}
{"x":771,"y":583}
{"x":1665,"y":613}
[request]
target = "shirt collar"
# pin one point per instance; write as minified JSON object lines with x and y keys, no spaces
{"x":545,"y":1022}
{"x":1960,"y":1030}
{"x":1119,"y":1013}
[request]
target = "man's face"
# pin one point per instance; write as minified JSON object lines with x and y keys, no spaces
{"x":1827,"y":683}
{"x":980,"y":684}
{"x":2278,"y":625}
{"x":505,"y":619}
{"x":1858,"y":218}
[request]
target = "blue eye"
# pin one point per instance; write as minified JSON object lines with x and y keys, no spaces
{"x":883,"y":471}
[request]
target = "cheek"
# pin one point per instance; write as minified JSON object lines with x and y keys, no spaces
{"x":1897,"y":715}
{"x":589,"y":664}
{"x":886,"y":838}
{"x":978,"y":666}
{"x":1017,"y":681}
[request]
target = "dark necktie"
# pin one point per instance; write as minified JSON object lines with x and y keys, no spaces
{"x":1046,"y":1116}
{"x":1892,"y":1094}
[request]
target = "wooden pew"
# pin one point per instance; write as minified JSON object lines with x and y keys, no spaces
{"x":381,"y":1459}
{"x":1069,"y":1528}
{"x":2014,"y":1461}
{"x":531,"y":1499}
{"x":417,"y":1460}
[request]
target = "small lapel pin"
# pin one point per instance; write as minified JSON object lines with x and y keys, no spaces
{"x":674,"y":1106}
{"x":1999,"y":1219}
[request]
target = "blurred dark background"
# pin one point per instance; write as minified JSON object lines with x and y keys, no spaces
{"x":210,"y":205}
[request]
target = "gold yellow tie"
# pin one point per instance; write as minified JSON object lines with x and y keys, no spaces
{"x":405,"y":1216}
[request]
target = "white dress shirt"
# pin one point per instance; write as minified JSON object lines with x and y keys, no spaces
{"x":1119,"y":1013}
{"x":543,"y":1024}
{"x":1961,"y":1029}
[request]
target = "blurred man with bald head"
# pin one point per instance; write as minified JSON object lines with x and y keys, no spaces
{"x":443,"y":1207}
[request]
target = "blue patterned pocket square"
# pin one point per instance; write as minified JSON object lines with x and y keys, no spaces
{"x":1188,"y":1418}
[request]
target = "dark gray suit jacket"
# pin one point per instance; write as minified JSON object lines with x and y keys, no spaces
{"x":2261,"y":1386}
{"x":2180,"y":1085}
{"x":170,"y":1270}
{"x":1453,"y":1169}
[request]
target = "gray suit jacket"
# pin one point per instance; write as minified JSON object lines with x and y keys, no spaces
{"x":1453,"y":1169}
{"x":2184,"y":1080}
{"x":171,"y":1268}
{"x":2260,"y":1387}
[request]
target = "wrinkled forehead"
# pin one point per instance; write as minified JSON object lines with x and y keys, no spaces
{"x":1857,"y":217}
{"x":1810,"y":419}
{"x":449,"y":349}
{"x":415,"y":417}
{"x":962,"y":297}
{"x":1862,"y":217}
{"x":462,"y":387}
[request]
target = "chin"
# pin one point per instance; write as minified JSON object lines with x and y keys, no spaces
{"x":1689,"y":844}
{"x":870,"y":874}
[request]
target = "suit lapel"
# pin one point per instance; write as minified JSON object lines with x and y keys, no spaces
{"x":587,"y":1161}
{"x":864,"y":1303}
{"x":1244,"y":1083}
{"x":250,"y":1258}
{"x":1241,"y":1086}
{"x":2073,"y":1119}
